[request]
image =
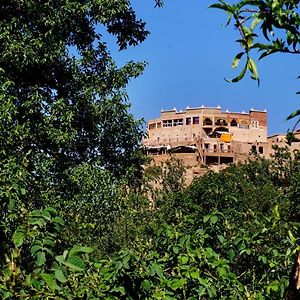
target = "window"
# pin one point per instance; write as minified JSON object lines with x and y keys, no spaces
{"x":195,"y":120}
{"x":167,"y":123}
{"x":188,"y":121}
{"x":244,"y":124}
{"x":158,"y":125}
{"x":206,"y":146}
{"x":253,"y":149}
{"x":221,"y":122}
{"x":233,"y":122}
{"x":178,"y":122}
{"x":207,"y":122}
{"x":215,"y":148}
{"x":152,"y":126}
{"x":261,"y":150}
{"x":255,"y":124}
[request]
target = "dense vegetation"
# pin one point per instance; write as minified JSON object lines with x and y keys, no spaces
{"x":80,"y":217}
{"x":230,"y":235}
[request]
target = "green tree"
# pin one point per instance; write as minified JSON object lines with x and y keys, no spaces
{"x":267,"y":27}
{"x":64,"y":116}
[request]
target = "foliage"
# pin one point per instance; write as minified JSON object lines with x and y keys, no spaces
{"x":68,"y":140}
{"x":264,"y":26}
{"x":279,"y":29}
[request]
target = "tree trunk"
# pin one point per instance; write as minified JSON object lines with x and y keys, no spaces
{"x":293,"y":290}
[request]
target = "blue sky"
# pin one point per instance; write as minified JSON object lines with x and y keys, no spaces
{"x":189,"y":52}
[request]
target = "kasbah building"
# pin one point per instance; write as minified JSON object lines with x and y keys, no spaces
{"x":209,"y":138}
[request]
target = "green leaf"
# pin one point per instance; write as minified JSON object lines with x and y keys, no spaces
{"x":76,"y":263}
{"x":214,"y":219}
{"x":158,"y":270}
{"x":59,"y":275}
{"x":239,"y":77}
{"x":237,"y":59}
{"x":18,"y":238}
{"x":46,"y":215}
{"x":206,"y":218}
{"x":59,"y":221}
{"x":231,"y":254}
{"x":184,"y":259}
{"x":178,"y":283}
{"x":119,"y":289}
{"x":11,"y":204}
{"x":147,"y":284}
{"x":294,"y":114}
{"x":73,"y":262}
{"x":40,"y":258}
{"x":51,"y":210}
{"x":253,"y":69}
{"x":50,"y":281}
{"x":195,"y":274}
{"x":255,"y":22}
{"x":292,"y":238}
{"x":80,"y":250}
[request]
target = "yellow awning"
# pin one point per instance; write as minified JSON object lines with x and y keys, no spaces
{"x":225,"y":137}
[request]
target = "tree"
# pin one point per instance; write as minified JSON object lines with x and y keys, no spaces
{"x":64,"y":107}
{"x":279,"y":32}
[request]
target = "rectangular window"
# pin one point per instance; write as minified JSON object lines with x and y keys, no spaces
{"x":158,"y":125}
{"x":195,"y":120}
{"x":178,"y":122}
{"x":167,"y":123}
{"x":152,"y":126}
{"x":206,"y":145}
{"x":188,"y":121}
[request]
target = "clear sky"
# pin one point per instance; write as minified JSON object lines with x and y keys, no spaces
{"x":189,"y":52}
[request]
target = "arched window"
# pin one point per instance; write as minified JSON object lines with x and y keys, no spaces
{"x":233,"y":122}
{"x":207,"y":122}
{"x":221,"y":122}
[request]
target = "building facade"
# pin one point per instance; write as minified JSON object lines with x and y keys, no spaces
{"x":213,"y":136}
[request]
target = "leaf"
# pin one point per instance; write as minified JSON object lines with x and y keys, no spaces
{"x":237,"y":59}
{"x":51,"y":210}
{"x":40,"y":258}
{"x":76,"y":263}
{"x":158,"y":270}
{"x":255,"y":22}
{"x":253,"y":69}
{"x":18,"y":238}
{"x":195,"y":274}
{"x":73,"y":262}
{"x":292,"y":238}
{"x":178,"y":283}
{"x":80,"y":250}
{"x":214,"y":219}
{"x":294,"y":114}
{"x":11,"y":204}
{"x":46,"y":215}
{"x":146,"y":284}
{"x":231,"y":254}
{"x":206,"y":218}
{"x":119,"y":289}
{"x":50,"y":281}
{"x":184,"y":259}
{"x":239,"y":77}
{"x":59,"y":221}
{"x":59,"y":275}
